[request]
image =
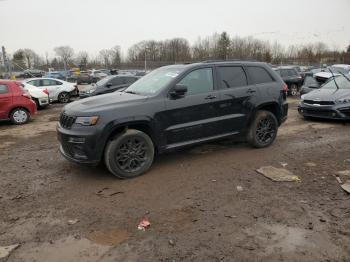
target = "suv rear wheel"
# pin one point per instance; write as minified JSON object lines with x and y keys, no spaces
{"x":129,"y":154}
{"x":263,"y":129}
{"x":294,"y":90}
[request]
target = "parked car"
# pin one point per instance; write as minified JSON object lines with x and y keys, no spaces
{"x":331,"y":101}
{"x":98,"y":74}
{"x":59,"y":90}
{"x":291,"y":77}
{"x":39,"y":96}
{"x":86,"y":78}
{"x":315,"y":81}
{"x":15,"y":103}
{"x":340,"y":68}
{"x":173,"y":107}
{"x":109,"y":84}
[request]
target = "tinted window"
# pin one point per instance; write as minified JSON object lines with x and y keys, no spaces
{"x":3,"y":89}
{"x":232,"y":76}
{"x":34,"y":82}
{"x":129,"y":80}
{"x":284,"y":73}
{"x":259,"y":75}
{"x":292,"y":72}
{"x":198,"y":81}
{"x":117,"y":81}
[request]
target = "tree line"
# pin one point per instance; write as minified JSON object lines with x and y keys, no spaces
{"x":179,"y":50}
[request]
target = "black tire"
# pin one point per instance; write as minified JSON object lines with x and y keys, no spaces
{"x":134,"y":148}
{"x":19,"y":116}
{"x":37,"y":103}
{"x":64,"y":97}
{"x":263,"y":129}
{"x":294,"y":90}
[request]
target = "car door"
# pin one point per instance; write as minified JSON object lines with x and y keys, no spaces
{"x":236,"y":98}
{"x":5,"y":101}
{"x":52,"y":86}
{"x":191,"y":117}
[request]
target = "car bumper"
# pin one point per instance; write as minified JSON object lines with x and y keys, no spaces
{"x":326,"y":112}
{"x":44,"y":101}
{"x":80,"y":145}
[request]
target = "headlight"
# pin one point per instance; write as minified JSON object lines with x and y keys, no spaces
{"x":302,"y":98}
{"x":86,"y":120}
{"x":343,"y":100}
{"x":91,"y":90}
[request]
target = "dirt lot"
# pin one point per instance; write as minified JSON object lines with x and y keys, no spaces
{"x":59,"y":211}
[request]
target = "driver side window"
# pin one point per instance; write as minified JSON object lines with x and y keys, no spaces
{"x":198,"y":81}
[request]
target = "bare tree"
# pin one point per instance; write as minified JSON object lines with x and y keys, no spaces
{"x":29,"y":57}
{"x":66,"y":53}
{"x":106,"y":56}
{"x":82,"y":59}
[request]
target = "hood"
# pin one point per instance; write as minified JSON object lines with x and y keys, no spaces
{"x":96,"y":104}
{"x":327,"y":94}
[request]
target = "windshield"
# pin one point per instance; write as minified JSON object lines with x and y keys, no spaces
{"x":155,"y":81}
{"x":104,"y":81}
{"x":336,"y":69}
{"x":311,"y":82}
{"x":342,"y":82}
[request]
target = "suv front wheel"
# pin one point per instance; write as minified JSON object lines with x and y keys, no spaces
{"x":263,"y":129}
{"x":129,"y":154}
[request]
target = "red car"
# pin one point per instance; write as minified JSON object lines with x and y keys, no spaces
{"x":15,"y":103}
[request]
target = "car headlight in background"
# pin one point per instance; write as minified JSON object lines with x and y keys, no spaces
{"x":343,"y":100}
{"x":91,"y":90}
{"x":86,"y":120}
{"x":302,"y":98}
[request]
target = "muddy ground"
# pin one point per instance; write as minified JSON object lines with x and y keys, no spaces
{"x":59,"y":211}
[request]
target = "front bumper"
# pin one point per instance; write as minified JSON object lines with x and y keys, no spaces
{"x":337,"y":112}
{"x":80,"y":145}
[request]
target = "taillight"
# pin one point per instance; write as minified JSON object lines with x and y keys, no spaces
{"x":46,"y":91}
{"x":285,"y":88}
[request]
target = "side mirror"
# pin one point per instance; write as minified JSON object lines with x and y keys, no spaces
{"x":178,"y":91}
{"x":108,"y":84}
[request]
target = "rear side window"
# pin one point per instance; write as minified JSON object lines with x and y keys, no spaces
{"x":3,"y":89}
{"x":117,"y":81}
{"x":232,"y":76}
{"x":48,"y":82}
{"x":259,"y":75}
{"x":292,"y":72}
{"x":284,"y":72}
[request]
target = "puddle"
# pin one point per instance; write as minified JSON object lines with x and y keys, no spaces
{"x":68,"y":250}
{"x":110,"y":237}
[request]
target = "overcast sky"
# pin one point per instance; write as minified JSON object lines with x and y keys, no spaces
{"x":93,"y":25}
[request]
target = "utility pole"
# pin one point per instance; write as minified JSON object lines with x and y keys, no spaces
{"x":6,"y":62}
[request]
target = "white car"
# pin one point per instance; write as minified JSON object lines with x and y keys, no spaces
{"x":40,"y":96}
{"x":59,"y":90}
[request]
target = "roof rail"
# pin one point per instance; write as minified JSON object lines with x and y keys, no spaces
{"x":229,"y":60}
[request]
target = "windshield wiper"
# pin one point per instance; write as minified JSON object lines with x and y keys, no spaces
{"x":334,"y":78}
{"x":344,"y":76}
{"x":131,"y":92}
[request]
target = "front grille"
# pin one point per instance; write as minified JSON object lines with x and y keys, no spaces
{"x":66,"y":121}
{"x":322,"y":103}
{"x":320,"y":113}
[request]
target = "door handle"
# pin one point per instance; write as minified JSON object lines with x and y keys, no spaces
{"x":250,"y":91}
{"x":210,"y":97}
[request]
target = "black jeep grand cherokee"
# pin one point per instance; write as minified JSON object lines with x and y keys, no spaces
{"x":173,"y":107}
